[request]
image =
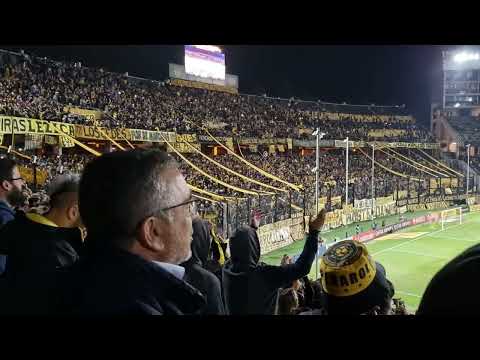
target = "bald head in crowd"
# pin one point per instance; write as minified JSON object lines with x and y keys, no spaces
{"x":63,"y":192}
{"x":139,"y":201}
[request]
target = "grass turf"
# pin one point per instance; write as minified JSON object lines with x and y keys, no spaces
{"x":411,"y":256}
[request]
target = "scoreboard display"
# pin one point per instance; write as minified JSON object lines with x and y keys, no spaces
{"x":205,"y":61}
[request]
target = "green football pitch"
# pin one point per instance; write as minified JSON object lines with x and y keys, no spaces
{"x":411,"y":256}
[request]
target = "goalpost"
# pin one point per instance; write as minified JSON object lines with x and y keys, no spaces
{"x":451,"y":216}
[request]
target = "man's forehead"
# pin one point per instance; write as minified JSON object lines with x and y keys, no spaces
{"x":177,"y":180}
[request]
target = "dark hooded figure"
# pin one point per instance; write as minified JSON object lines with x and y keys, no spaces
{"x":251,"y":287}
{"x":203,"y":280}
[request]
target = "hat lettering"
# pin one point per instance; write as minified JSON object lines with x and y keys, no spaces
{"x":343,"y":280}
{"x":331,"y":279}
{"x":366,"y":268}
{"x":353,"y":278}
{"x":361,"y":273}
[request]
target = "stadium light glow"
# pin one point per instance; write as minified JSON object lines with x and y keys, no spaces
{"x":464,"y":56}
{"x":456,"y":105}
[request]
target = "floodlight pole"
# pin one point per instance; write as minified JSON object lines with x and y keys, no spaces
{"x":468,"y":167}
{"x":373,"y":180}
{"x":346,"y":175}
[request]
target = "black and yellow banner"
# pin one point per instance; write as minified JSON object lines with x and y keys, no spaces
{"x":273,"y":141}
{"x":444,"y":183}
{"x":89,"y":114}
{"x":379,"y":133}
{"x":27,"y":174}
{"x":94,"y":133}
{"x":151,"y":136}
{"x":184,"y":148}
{"x":18,"y":125}
{"x":190,"y":138}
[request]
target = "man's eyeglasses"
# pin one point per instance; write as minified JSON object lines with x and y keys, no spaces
{"x":190,"y":202}
{"x":19,"y":178}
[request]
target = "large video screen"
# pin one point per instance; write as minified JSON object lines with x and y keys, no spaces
{"x":205,"y":61}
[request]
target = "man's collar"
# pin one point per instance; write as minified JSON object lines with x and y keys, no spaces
{"x":7,"y":205}
{"x":40,"y":219}
{"x":173,"y":269}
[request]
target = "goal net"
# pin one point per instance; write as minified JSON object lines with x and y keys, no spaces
{"x":451,"y":216}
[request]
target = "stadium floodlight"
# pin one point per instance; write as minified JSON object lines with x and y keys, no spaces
{"x":465,"y":56}
{"x":456,"y":105}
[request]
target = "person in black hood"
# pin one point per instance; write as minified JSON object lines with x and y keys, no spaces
{"x":38,"y":246}
{"x":195,"y":274}
{"x":251,"y":287}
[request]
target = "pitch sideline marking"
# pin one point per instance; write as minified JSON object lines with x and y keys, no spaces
{"x":421,"y":254}
{"x":457,"y":239}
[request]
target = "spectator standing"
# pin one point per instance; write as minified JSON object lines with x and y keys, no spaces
{"x":12,"y":194}
{"x":38,"y":246}
{"x":136,"y":208}
{"x":195,"y":273}
{"x":251,"y":287}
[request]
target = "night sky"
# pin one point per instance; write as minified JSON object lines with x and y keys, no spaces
{"x":382,"y":75}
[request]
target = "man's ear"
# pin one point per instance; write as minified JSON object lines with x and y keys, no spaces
{"x":5,"y":185}
{"x":73,"y":213}
{"x":150,"y":234}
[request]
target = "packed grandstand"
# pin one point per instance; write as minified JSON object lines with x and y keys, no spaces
{"x":238,"y":152}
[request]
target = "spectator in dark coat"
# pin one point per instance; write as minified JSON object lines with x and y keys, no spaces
{"x":37,"y":246}
{"x":251,"y":287}
{"x":203,"y":280}
{"x":12,"y":194}
{"x":136,"y":208}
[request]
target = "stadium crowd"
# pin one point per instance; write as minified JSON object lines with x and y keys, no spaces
{"x":126,"y":237}
{"x":68,"y":259}
{"x":43,"y":89}
{"x":70,"y":273}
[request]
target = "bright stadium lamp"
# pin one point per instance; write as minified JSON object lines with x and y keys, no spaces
{"x":465,"y":56}
{"x":456,"y":105}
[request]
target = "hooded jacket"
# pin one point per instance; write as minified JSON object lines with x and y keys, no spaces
{"x":112,"y":281}
{"x":251,"y":287}
{"x":35,"y":254}
{"x":195,"y":274}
